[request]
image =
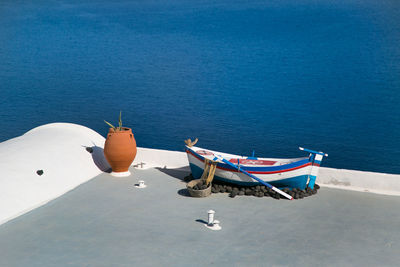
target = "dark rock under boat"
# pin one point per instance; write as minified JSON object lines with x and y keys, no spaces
{"x":260,"y":191}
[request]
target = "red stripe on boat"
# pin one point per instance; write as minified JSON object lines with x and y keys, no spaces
{"x":253,"y":162}
{"x":241,"y":161}
{"x":268,"y":172}
{"x":204,"y":153}
{"x":257,"y":172}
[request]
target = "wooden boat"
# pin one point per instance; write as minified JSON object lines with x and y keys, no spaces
{"x":280,"y":173}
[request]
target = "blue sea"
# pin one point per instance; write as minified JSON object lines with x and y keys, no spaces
{"x":263,"y":75}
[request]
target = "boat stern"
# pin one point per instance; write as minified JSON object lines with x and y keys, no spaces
{"x":315,"y":159}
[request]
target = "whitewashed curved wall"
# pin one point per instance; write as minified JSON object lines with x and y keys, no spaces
{"x":59,"y":149}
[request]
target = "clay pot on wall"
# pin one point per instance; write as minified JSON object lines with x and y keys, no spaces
{"x":120,"y":150}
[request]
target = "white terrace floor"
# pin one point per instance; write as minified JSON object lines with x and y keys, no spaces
{"x":109,"y":222}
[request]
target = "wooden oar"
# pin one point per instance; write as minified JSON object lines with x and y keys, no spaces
{"x":219,"y":157}
{"x":209,"y":171}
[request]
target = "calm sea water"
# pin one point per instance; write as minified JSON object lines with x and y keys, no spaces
{"x":239,"y":75}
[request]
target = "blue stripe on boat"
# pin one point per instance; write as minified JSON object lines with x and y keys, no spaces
{"x":293,"y":182}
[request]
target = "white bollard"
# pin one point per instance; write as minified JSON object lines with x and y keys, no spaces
{"x":140,"y":184}
{"x":211,"y":217}
{"x":212,"y":223}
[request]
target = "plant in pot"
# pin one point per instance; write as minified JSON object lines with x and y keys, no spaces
{"x":120,"y":149}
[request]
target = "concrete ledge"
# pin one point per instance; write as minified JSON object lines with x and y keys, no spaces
{"x":380,"y":183}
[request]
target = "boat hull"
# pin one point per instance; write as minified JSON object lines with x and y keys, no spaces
{"x":296,"y":175}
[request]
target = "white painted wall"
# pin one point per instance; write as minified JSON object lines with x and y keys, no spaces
{"x":157,"y":158}
{"x":59,"y":149}
{"x":380,"y":183}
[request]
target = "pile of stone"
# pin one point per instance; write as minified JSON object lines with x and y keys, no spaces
{"x":201,"y":185}
{"x":260,"y":191}
{"x":257,"y":191}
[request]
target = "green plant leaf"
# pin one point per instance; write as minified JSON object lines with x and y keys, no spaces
{"x":120,"y":121}
{"x":112,"y":126}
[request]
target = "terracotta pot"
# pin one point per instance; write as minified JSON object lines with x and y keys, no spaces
{"x":120,"y":149}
